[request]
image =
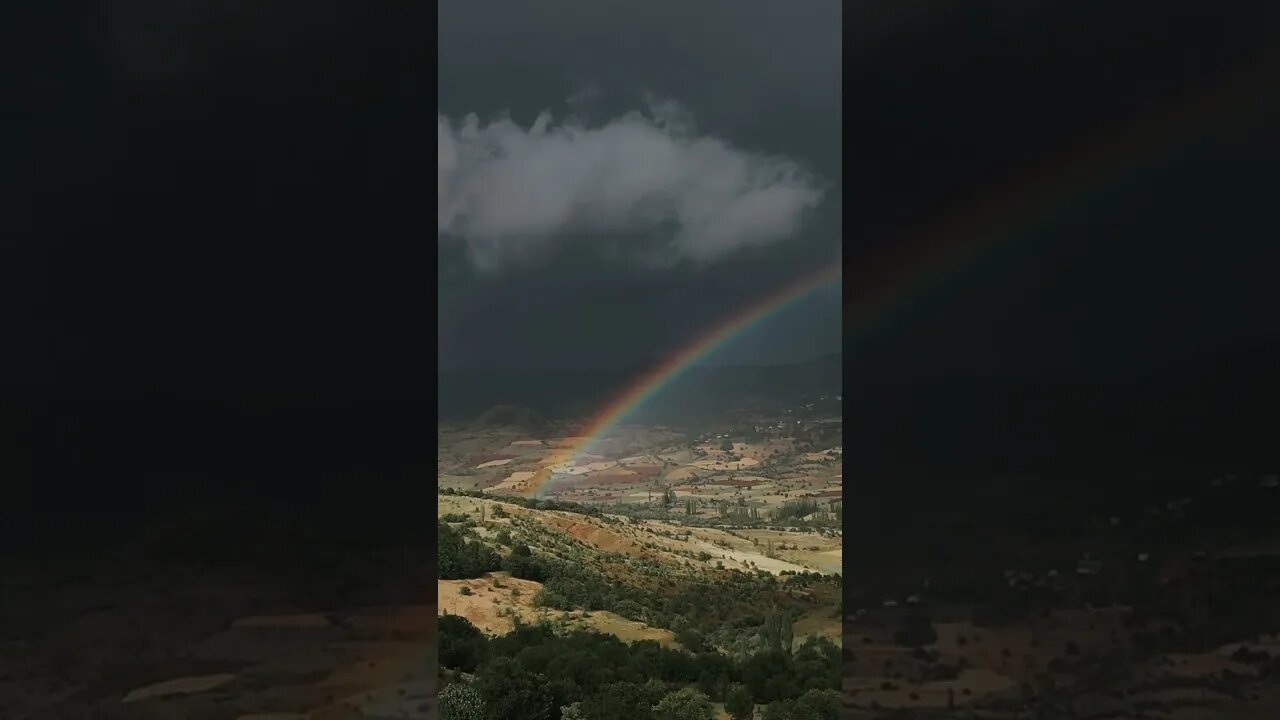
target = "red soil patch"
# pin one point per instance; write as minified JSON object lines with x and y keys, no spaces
{"x":602,"y":538}
{"x":607,"y":478}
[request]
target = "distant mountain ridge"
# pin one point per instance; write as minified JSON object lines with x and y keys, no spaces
{"x":464,"y":394}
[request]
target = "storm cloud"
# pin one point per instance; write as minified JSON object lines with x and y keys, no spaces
{"x":647,"y":176}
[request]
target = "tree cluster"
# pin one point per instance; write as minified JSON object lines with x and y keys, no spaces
{"x":538,"y":673}
{"x":460,"y":559}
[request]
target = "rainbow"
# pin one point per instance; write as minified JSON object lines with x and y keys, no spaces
{"x":656,"y":379}
{"x":947,"y":248}
{"x":993,"y":217}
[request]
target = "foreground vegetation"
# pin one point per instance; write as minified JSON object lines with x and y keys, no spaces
{"x":537,"y":672}
{"x":734,"y":629}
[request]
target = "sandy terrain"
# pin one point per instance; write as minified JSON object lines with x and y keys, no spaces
{"x":492,"y":608}
{"x":515,"y":482}
{"x":494,"y":463}
{"x":823,"y":622}
{"x":741,"y":553}
{"x":487,"y":606}
{"x":577,"y":468}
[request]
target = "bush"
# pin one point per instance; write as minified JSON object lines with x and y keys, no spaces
{"x":738,"y":703}
{"x":551,"y":599}
{"x":461,"y":645}
{"x":684,"y":704}
{"x":459,"y":701}
{"x":459,"y":559}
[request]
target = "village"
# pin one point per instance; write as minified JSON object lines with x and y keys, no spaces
{"x":753,"y":465}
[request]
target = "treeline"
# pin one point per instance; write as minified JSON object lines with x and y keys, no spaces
{"x":795,"y":514}
{"x":524,"y":502}
{"x":459,"y":559}
{"x":808,"y":511}
{"x":535,"y":672}
{"x":724,"y":611}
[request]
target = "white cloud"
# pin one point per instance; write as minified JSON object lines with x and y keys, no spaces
{"x":505,"y":190}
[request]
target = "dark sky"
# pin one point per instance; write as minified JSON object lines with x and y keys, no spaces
{"x":696,"y":243}
{"x":211,"y":196}
{"x":1113,"y":161}
{"x":216,"y":221}
{"x":213,"y":257}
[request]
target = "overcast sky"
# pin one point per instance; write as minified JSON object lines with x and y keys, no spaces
{"x":616,"y":177}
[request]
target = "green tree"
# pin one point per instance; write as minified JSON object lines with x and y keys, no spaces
{"x":684,"y":704}
{"x":817,"y":664}
{"x":738,"y":703}
{"x":779,"y":710}
{"x":620,"y":700}
{"x":459,"y":559}
{"x":817,"y":705}
{"x":524,"y":565}
{"x":458,"y":701}
{"x":778,"y":631}
{"x":573,"y":712}
{"x":461,"y":645}
{"x":511,"y":692}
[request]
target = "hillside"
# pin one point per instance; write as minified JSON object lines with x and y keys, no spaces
{"x":647,"y":571}
{"x":699,"y":393}
{"x":636,"y":611}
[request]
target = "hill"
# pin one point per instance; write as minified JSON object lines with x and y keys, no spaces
{"x":644,"y":609}
{"x":699,"y":392}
